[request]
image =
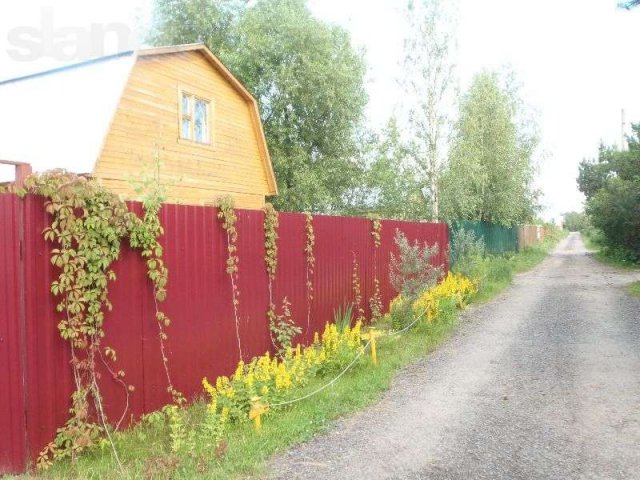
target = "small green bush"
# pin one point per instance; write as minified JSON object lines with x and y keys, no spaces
{"x":400,"y":313}
{"x":412,"y":271}
{"x":467,"y":256}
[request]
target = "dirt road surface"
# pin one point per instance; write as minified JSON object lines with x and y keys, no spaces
{"x":541,"y":383}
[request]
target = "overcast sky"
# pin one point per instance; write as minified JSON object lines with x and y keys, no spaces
{"x":576,"y":61}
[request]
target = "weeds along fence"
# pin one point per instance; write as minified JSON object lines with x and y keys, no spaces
{"x":498,"y":239}
{"x":35,"y":374}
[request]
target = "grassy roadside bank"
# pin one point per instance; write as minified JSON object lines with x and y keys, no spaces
{"x":145,"y":450}
{"x":634,"y":289}
{"x":593,"y":242}
{"x":601,"y":254}
{"x":500,"y":270}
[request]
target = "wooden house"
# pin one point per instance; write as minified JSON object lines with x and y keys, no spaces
{"x":173,"y":112}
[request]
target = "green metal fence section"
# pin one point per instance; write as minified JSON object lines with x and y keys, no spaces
{"x":498,"y":239}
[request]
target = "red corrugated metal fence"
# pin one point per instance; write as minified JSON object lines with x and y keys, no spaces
{"x":34,"y":362}
{"x":13,"y":448}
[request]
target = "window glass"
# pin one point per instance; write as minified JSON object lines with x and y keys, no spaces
{"x":200,"y":126}
{"x":185,"y":131}
{"x":186,"y":104}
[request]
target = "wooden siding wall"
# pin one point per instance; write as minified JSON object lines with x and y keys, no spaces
{"x":147,"y":124}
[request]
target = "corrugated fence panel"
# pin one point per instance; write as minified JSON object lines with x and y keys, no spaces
{"x":202,"y":338}
{"x":498,"y":239}
{"x":12,"y":418}
{"x":290,"y":281}
{"x":530,"y":235}
{"x":48,"y":379}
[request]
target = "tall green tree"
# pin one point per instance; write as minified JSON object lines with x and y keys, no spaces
{"x":576,"y":221}
{"x":391,"y":186}
{"x":307,"y":78}
{"x":611,"y":185}
{"x":490,"y":170}
{"x":428,"y":79}
{"x":214,"y":22}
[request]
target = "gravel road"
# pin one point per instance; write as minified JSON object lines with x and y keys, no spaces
{"x":543,"y":382}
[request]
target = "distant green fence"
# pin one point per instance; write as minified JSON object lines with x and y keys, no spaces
{"x":497,"y":238}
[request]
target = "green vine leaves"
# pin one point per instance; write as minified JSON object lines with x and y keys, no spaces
{"x":376,"y":230}
{"x":357,"y":291}
{"x":271,"y":224}
{"x":375,"y":302}
{"x":227,"y":214}
{"x":310,"y":263}
{"x":282,"y":328}
{"x":87,"y":228}
{"x":145,"y":237}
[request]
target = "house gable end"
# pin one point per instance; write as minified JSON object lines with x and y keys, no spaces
{"x":145,"y":133}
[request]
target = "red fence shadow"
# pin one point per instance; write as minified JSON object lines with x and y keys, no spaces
{"x":34,"y":362}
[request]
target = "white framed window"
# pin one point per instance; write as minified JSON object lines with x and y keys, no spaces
{"x":195,"y":118}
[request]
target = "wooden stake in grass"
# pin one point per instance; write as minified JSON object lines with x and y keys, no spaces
{"x":371,"y":335}
{"x":257,"y":410}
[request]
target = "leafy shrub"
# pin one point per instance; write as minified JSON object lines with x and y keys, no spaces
{"x":611,"y":251}
{"x":282,"y":327}
{"x":467,"y":256}
{"x":611,"y":186}
{"x":412,"y":271}
{"x":621,"y":255}
{"x":399,"y":313}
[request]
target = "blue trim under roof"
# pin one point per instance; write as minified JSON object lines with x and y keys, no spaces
{"x":68,"y":67}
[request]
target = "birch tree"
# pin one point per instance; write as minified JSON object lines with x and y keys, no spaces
{"x":429,"y":84}
{"x":490,"y":170}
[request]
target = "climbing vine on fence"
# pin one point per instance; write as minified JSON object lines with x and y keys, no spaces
{"x":87,"y":228}
{"x":271,"y":224}
{"x":282,"y":328}
{"x":310,"y":263}
{"x":357,"y":291}
{"x":227,"y":214}
{"x":144,"y":236}
{"x":375,"y":302}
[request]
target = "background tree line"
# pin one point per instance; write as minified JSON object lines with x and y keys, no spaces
{"x":611,"y":185}
{"x":444,"y":157}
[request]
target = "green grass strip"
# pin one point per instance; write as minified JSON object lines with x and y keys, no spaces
{"x":634,"y":289}
{"x":145,"y":450}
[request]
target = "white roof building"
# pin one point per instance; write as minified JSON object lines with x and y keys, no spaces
{"x":59,"y":118}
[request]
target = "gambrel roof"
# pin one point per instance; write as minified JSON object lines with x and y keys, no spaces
{"x":60,"y":118}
